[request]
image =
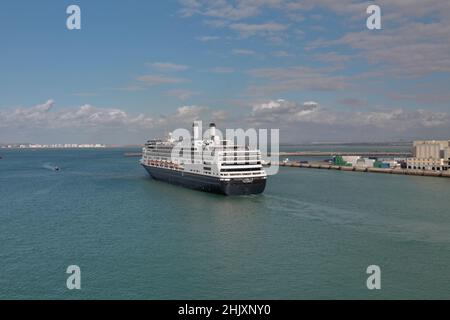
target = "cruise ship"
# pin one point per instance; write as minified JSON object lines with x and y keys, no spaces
{"x":208,"y":164}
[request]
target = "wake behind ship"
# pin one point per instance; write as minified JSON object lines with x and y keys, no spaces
{"x":209,"y":164}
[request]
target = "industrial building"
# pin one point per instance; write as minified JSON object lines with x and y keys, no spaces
{"x":354,"y":161}
{"x":430,"y":155}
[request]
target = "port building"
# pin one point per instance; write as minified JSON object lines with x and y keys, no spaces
{"x":431,"y":155}
{"x":354,"y":161}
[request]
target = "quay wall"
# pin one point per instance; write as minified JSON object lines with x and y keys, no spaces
{"x":425,"y":173}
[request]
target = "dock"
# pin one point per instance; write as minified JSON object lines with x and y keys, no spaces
{"x":326,"y":166}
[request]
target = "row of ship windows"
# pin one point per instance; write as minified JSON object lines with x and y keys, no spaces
{"x":240,"y":170}
{"x":221,"y":148}
{"x":209,"y":168}
{"x":241,"y":163}
{"x":225,"y":172}
{"x":210,"y":160}
{"x":230,"y":174}
{"x":241,"y":174}
{"x":256,"y":170}
{"x":203,"y":156}
{"x":226,"y":154}
{"x":244,"y":152}
{"x":228,"y":163}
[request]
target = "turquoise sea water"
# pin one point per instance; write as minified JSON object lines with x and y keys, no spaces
{"x":312,"y":234}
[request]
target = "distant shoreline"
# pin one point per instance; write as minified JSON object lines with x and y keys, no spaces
{"x":109,"y":146}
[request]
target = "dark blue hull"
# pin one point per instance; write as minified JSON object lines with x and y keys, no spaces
{"x":206,"y":183}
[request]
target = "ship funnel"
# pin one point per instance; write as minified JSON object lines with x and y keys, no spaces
{"x":212,"y":130}
{"x":196,"y":128}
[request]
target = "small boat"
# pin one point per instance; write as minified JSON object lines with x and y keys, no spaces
{"x":56,"y":168}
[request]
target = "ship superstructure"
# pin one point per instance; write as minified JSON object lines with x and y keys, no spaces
{"x":208,"y":164}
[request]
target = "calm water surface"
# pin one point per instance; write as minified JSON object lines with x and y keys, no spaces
{"x":312,"y":234}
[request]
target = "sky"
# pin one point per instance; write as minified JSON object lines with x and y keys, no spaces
{"x":310,"y":68}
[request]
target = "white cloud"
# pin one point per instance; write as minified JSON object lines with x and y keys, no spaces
{"x":414,"y":49}
{"x":429,"y":97}
{"x":276,"y":80}
{"x":130,"y":88}
{"x":220,"y":115}
{"x":168,"y":66}
{"x":415,"y":40}
{"x":225,"y":9}
{"x":216,"y":23}
{"x":181,"y":94}
{"x":228,"y":14}
{"x":286,"y":114}
{"x":243,"y":52}
{"x":45,"y":117}
{"x":308,"y":121}
{"x":207,"y":38}
{"x":281,"y":112}
{"x":264,"y":29}
{"x":189,"y":112}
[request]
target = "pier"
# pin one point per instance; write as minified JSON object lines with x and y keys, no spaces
{"x":326,"y":166}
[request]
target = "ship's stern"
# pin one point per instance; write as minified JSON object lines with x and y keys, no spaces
{"x":248,"y":186}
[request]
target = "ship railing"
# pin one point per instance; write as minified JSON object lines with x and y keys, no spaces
{"x":244,"y":174}
{"x":241,"y":165}
{"x":208,"y":153}
{"x":232,"y":159}
{"x":227,"y":158}
{"x":239,"y":157}
{"x":238,"y":151}
{"x":239,"y":154}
